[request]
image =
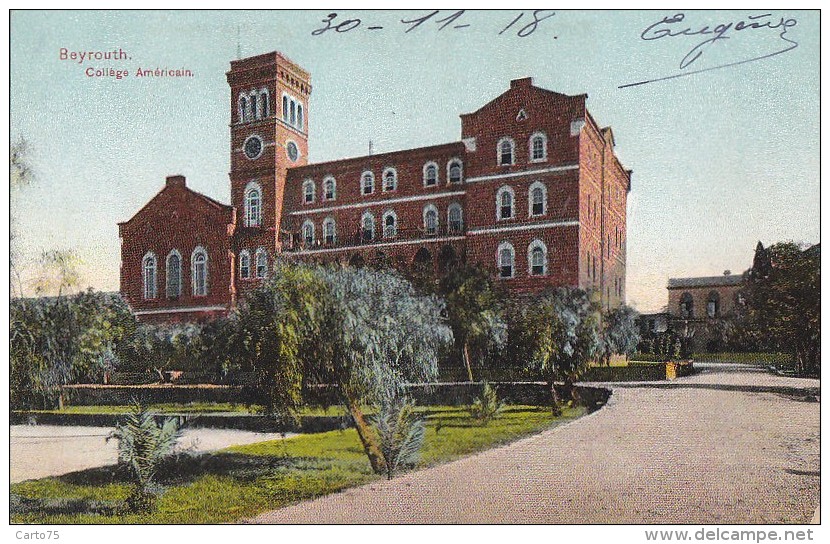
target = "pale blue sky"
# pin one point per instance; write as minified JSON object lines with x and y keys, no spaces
{"x":721,"y":159}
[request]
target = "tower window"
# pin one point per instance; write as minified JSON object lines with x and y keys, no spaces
{"x":430,"y":174}
{"x":505,"y":150}
{"x":174,"y":274}
{"x":199,"y":272}
{"x":244,"y":264}
{"x":253,"y":205}
{"x":261,"y":263}
{"x":300,"y":116}
{"x":148,"y":265}
{"x":368,"y":183}
{"x":292,"y":112}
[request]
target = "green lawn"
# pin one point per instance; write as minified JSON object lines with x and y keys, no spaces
{"x":242,"y":481}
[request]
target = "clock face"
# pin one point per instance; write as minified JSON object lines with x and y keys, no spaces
{"x":293,"y":152}
{"x":253,"y":147}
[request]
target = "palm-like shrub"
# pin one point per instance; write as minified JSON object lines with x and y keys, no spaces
{"x":487,"y":405}
{"x":400,"y":433}
{"x":142,"y":446}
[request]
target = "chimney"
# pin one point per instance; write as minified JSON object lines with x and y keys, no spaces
{"x":523,"y":82}
{"x":727,"y":272}
{"x":177,"y":180}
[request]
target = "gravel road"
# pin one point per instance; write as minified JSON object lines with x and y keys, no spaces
{"x":732,"y":444}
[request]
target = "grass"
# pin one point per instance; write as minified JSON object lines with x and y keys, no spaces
{"x":242,"y":481}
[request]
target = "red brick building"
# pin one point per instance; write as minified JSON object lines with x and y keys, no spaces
{"x":532,"y":190}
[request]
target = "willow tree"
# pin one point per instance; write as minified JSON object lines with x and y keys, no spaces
{"x":379,"y":335}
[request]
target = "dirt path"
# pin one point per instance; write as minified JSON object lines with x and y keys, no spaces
{"x":38,"y":451}
{"x":730,"y":445}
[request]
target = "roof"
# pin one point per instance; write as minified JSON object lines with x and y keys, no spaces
{"x":706,"y":281}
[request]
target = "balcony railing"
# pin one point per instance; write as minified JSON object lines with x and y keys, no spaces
{"x":297,"y":242}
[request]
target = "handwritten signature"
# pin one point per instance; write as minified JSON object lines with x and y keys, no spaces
{"x":674,"y":27}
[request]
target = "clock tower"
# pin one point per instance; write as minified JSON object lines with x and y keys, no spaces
{"x":269,"y":134}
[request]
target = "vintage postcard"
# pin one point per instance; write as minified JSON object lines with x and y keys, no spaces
{"x":424,"y":266}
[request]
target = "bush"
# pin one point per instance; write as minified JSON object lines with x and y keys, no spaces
{"x":486,"y":406}
{"x":400,"y":433}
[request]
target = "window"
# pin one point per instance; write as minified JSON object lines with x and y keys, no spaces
{"x":285,"y":108}
{"x":243,"y":108}
{"x":261,"y":263}
{"x":308,"y":191}
{"x":430,"y":220}
{"x":244,"y":264}
{"x":174,"y":274}
{"x":506,"y":260}
{"x":538,"y":147}
{"x":308,"y":234}
{"x":253,"y":205}
{"x":367,"y":227}
{"x":390,"y":179}
{"x":537,"y":257}
{"x":292,"y":112}
{"x":329,"y":231}
{"x":367,"y":183}
{"x":504,"y":203}
{"x":198,"y":264}
{"x":329,"y":188}
{"x":687,"y":304}
{"x":148,"y":265}
{"x":505,"y":151}
{"x":299,"y":124}
{"x":455,"y":218}
{"x":254,"y":105}
{"x":713,"y":305}
{"x":454,"y":171}
{"x":538,"y":199}
{"x":264,"y":103}
{"x":430,"y":174}
{"x":390,"y":224}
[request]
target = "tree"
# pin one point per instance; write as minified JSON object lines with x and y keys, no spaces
{"x":21,"y":174}
{"x":563,"y":334}
{"x":620,"y":332}
{"x":379,"y":335}
{"x":782,"y":303}
{"x":474,"y":311}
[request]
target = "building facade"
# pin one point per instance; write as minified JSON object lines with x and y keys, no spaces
{"x":532,"y":191}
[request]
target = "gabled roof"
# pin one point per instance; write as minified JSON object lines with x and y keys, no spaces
{"x":177,"y":182}
{"x":522,"y":83}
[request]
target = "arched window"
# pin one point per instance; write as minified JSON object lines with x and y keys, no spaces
{"x":537,"y":199}
{"x":255,"y":114}
{"x":538,"y":147}
{"x":329,"y":188}
{"x":149,"y":268}
{"x":506,"y":151}
{"x":367,"y":183}
{"x":367,"y":227}
{"x":253,"y":205}
{"x":243,"y":108}
{"x":713,"y":305}
{"x":390,"y":224}
{"x":244,"y":264}
{"x":430,"y":174}
{"x":300,"y":116}
{"x":390,"y":179}
{"x":199,"y":269}
{"x":174,"y":274}
{"x":285,"y":108}
{"x":537,"y":258}
{"x":455,"y":218}
{"x":261,"y":263}
{"x":504,"y":203}
{"x":687,"y":304}
{"x":308,"y":234}
{"x":264,"y":103}
{"x":430,"y":220}
{"x":455,"y":171}
{"x":506,"y":259}
{"x":308,"y":191}
{"x":329,"y":231}
{"x":292,"y":113}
